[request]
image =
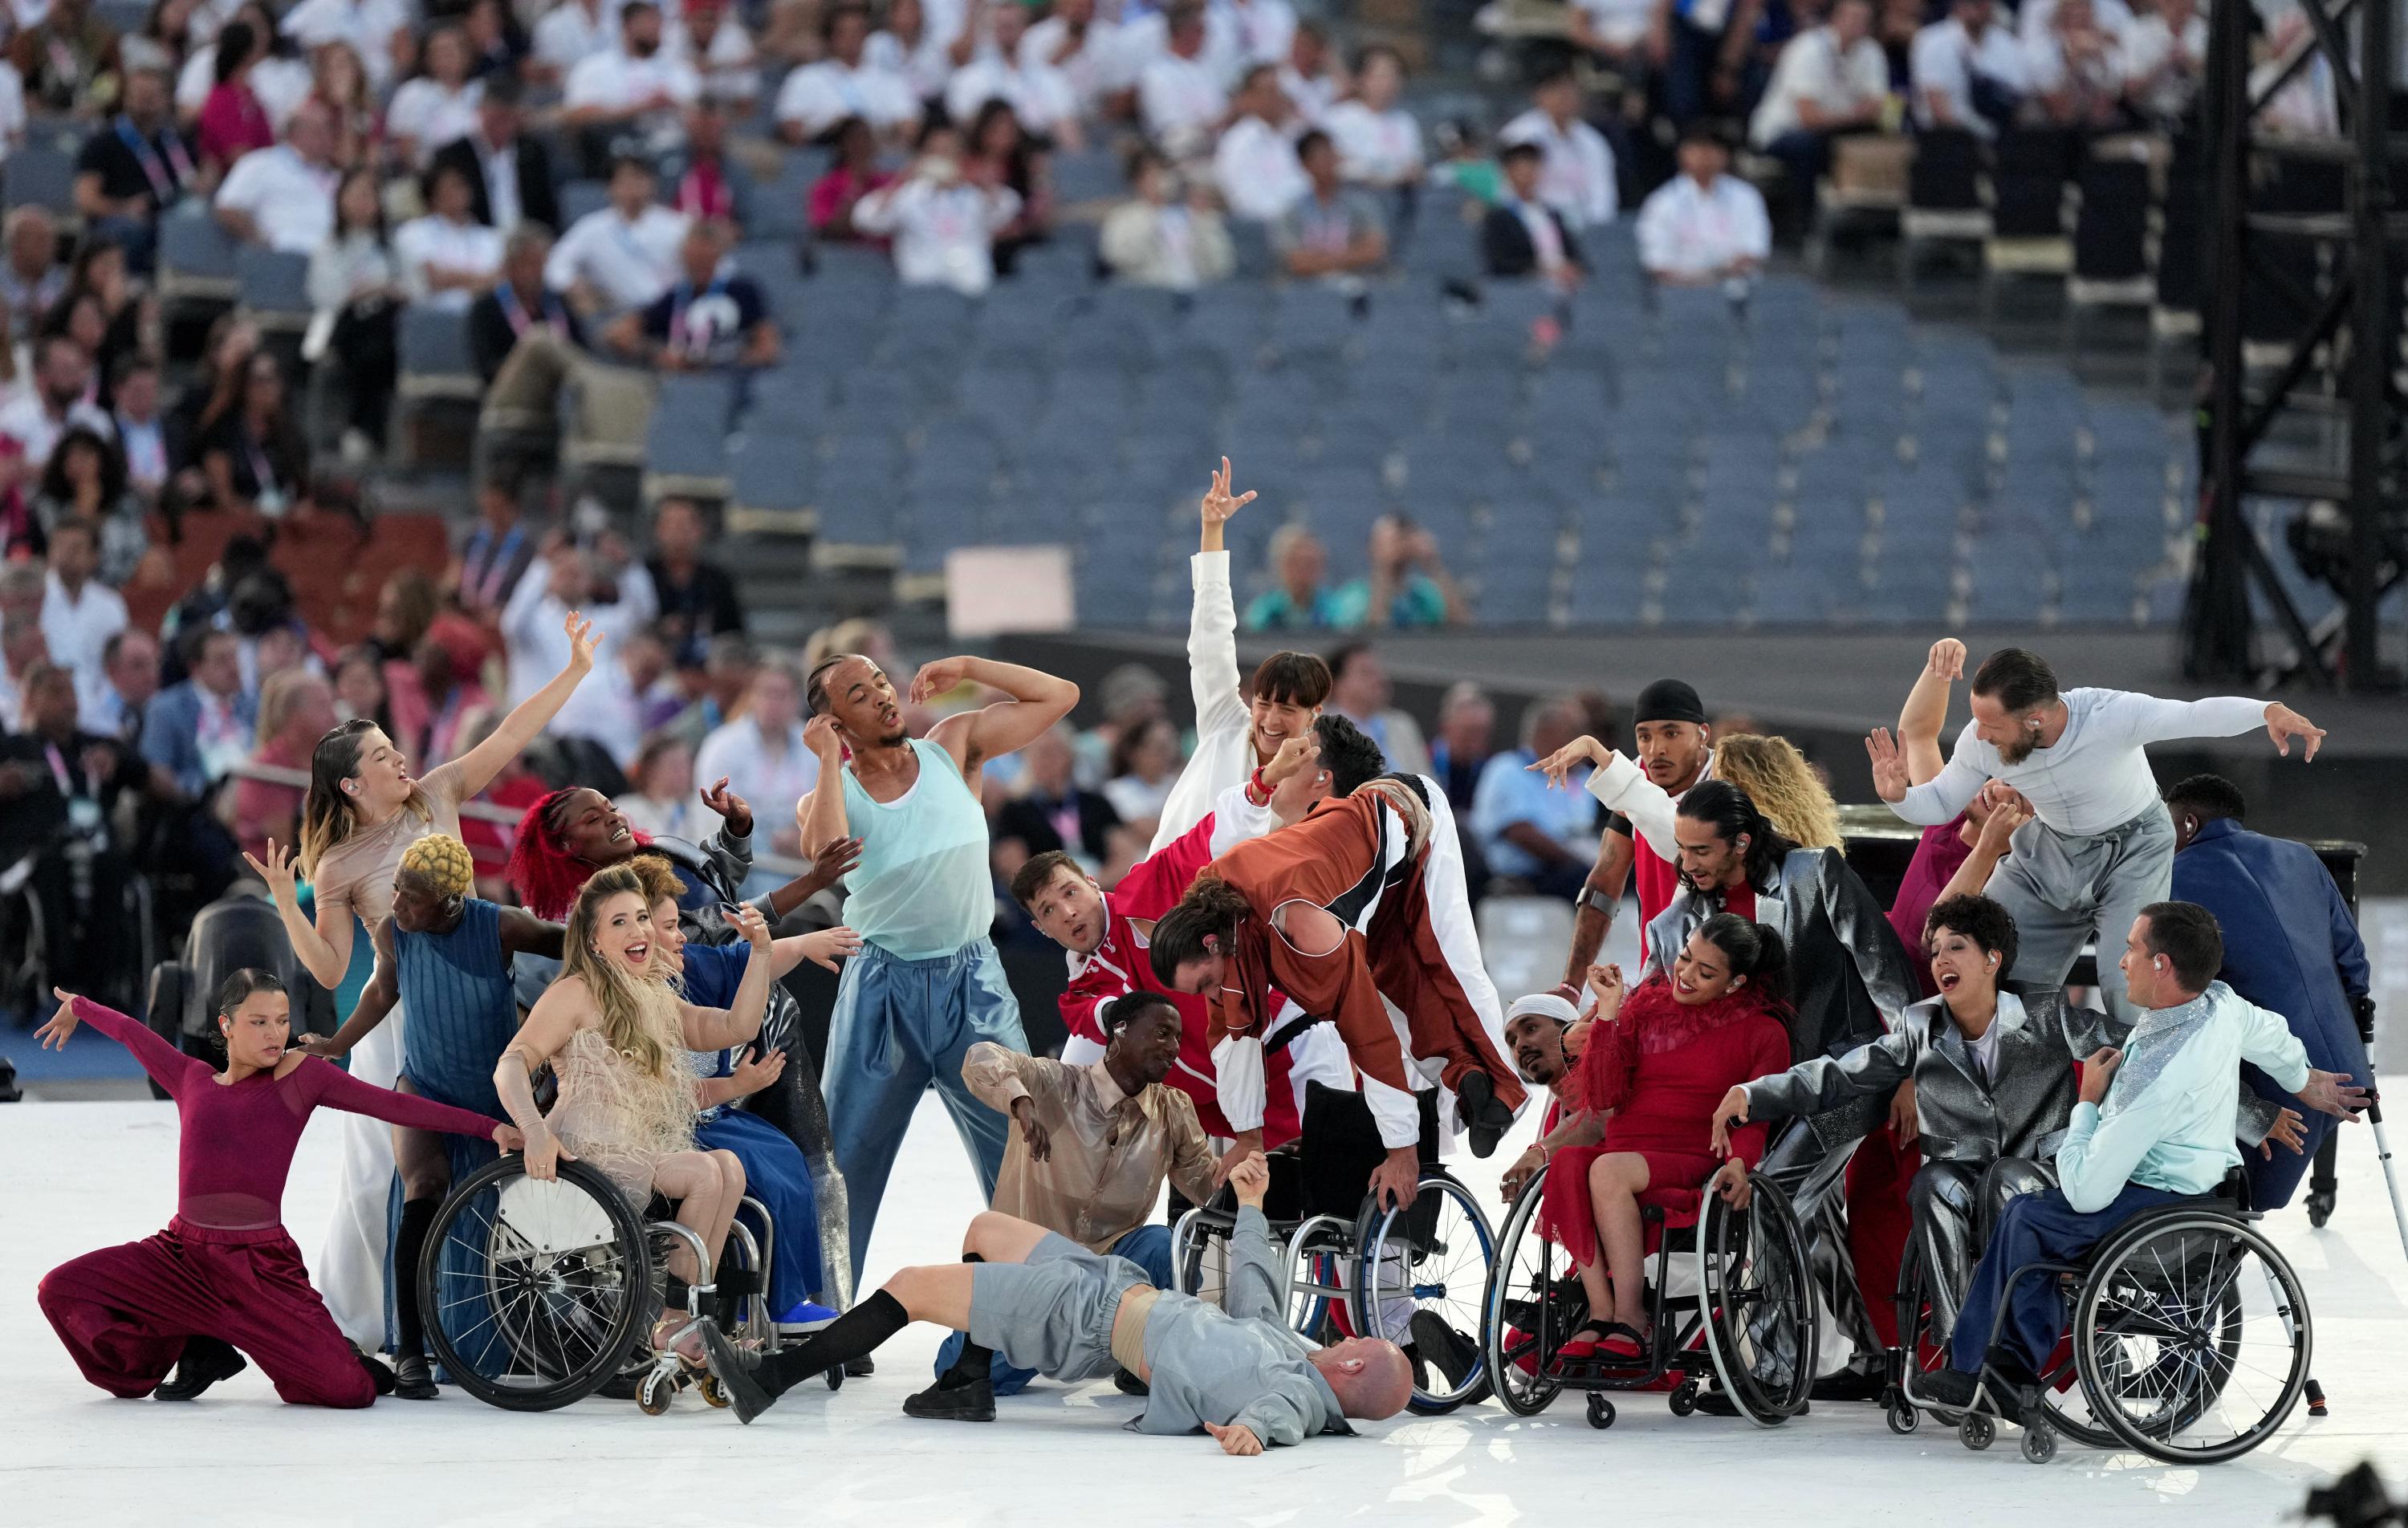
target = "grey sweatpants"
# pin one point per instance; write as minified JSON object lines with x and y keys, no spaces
{"x":2062,"y":890}
{"x":1053,"y":1313}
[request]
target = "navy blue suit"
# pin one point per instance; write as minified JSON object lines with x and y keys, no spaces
{"x":2290,"y":946}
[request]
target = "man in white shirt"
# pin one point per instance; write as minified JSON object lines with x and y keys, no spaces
{"x":1311,"y":75}
{"x":2076,"y":66}
{"x":818,"y":96}
{"x":1182,"y":99}
{"x":1948,"y":59}
{"x":634,"y":94}
{"x":2165,"y":59}
{"x":1082,"y":46}
{"x":1832,"y":78}
{"x":447,"y":257}
{"x":37,"y":418}
{"x":1145,"y":38}
{"x":570,"y":33}
{"x":624,"y":255}
{"x":1037,"y":95}
{"x":79,"y":613}
{"x":761,"y":754}
{"x":1576,"y":174}
{"x":2102,"y":847}
{"x":284,"y":196}
{"x":943,"y":222}
{"x":377,"y":30}
{"x":1265,"y":30}
{"x":604,"y":708}
{"x":711,"y":40}
{"x":1255,"y":164}
{"x":1613,"y":30}
{"x":1378,"y":143}
{"x":1704,"y":225}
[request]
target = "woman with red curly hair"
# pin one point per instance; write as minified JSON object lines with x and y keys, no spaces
{"x":1658,"y":1062}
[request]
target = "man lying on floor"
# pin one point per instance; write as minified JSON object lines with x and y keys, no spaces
{"x":1046,"y":1303}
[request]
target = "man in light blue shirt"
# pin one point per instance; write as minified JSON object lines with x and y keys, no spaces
{"x":2154,"y":1124}
{"x":1527,"y":830}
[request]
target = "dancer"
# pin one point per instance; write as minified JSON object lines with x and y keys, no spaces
{"x":1043,"y":1301}
{"x":1647,"y":1066}
{"x":2104,"y":845}
{"x":1235,"y":737}
{"x":362,"y":809}
{"x":1674,"y":744}
{"x":616,"y":1036}
{"x":444,"y":955}
{"x":225,"y":1278}
{"x":927,"y":983}
{"x":776,"y":1171}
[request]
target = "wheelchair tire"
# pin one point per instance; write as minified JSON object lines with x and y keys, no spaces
{"x":564,"y":1293}
{"x":1432,"y":1241}
{"x":2166,"y":1299}
{"x":1527,"y":1279}
{"x":1760,"y":1316}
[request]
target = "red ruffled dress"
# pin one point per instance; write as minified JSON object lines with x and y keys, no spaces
{"x":1661,"y":1067}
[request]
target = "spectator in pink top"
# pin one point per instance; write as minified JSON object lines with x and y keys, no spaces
{"x":232,"y":121}
{"x":853,"y":176}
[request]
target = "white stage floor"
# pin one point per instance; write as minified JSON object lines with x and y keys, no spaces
{"x":82,"y":1175}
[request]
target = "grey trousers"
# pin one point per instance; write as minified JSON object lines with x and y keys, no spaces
{"x":2062,"y":890}
{"x":1955,"y":1204}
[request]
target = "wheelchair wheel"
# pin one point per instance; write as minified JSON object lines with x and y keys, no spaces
{"x":1419,"y":1277}
{"x":535,"y":1292}
{"x":1315,"y":1269}
{"x":1759,"y":1303}
{"x":1533,"y":1302}
{"x":2192,"y":1337}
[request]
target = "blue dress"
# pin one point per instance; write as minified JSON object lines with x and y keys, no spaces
{"x":775,"y":1172}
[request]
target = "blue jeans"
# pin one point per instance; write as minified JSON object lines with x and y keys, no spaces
{"x":1148,"y":1247}
{"x":2034,"y":1228}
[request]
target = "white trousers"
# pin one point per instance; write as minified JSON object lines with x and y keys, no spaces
{"x":349,"y":1271}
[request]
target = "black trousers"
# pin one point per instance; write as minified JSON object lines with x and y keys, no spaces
{"x":371,"y":360}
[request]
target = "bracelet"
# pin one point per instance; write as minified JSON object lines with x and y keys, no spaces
{"x":1258,"y":783}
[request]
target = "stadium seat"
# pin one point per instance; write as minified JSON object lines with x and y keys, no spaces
{"x":272,"y":287}
{"x":197,"y":258}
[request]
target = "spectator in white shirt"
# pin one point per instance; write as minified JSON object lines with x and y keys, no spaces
{"x":447,"y":257}
{"x":1311,"y":75}
{"x":79,"y":613}
{"x":1255,"y":164}
{"x":377,"y":30}
{"x":1704,"y":225}
{"x":1968,"y":71}
{"x":1038,"y":96}
{"x":2113,"y":16}
{"x":761,"y":754}
{"x":2077,"y":70}
{"x":1379,"y":142}
{"x":1153,"y":240}
{"x":2306,"y":103}
{"x":438,"y":105}
{"x":711,"y":39}
{"x":36,"y":418}
{"x":1576,"y":177}
{"x":2165,"y":59}
{"x":1265,"y":30}
{"x":1181,"y":101}
{"x":621,"y":601}
{"x":1615,"y":32}
{"x":284,"y":196}
{"x":1830,"y":80}
{"x":943,"y":222}
{"x":818,"y":96}
{"x":620,"y":256}
{"x":912,"y":47}
{"x":1082,"y":46}
{"x":634,"y":96}
{"x":570,"y":33}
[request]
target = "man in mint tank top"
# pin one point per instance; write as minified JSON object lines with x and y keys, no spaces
{"x":927,"y":985}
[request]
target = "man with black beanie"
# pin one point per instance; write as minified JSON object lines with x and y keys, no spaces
{"x":1674,"y":744}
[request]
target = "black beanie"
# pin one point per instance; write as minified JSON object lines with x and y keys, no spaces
{"x":1669,"y":700}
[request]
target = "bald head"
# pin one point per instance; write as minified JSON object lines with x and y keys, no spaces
{"x":1372,"y":1376}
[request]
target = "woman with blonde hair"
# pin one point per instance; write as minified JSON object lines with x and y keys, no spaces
{"x":1784,"y":786}
{"x":614,"y":1032}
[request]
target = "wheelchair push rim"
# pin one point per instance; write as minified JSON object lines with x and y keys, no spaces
{"x":2192,"y":1337}
{"x":562,"y":1288}
{"x":1528,"y":1269}
{"x":1759,"y":1318}
{"x":1432,"y":1258}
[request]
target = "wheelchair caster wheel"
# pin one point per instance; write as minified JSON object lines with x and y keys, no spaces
{"x":1600,"y":1411}
{"x":2039,"y":1444}
{"x":835,"y":1377}
{"x":1903,"y":1419}
{"x":2320,"y":1209}
{"x":1977,"y":1431}
{"x":1683,"y":1399}
{"x":654,"y":1395}
{"x":711,"y":1391}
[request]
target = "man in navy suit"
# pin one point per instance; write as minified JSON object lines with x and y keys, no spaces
{"x":2290,"y":945}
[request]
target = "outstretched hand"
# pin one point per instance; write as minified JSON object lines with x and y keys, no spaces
{"x":54,"y":1034}
{"x":831,"y":945}
{"x":582,"y":640}
{"x":277,"y":870}
{"x":732,"y":808}
{"x":829,"y":866}
{"x":2289,"y":1129}
{"x":2328,"y":1093}
{"x":2284,"y":723}
{"x":1219,"y":503}
{"x":1890,"y":781}
{"x":1557,"y":767}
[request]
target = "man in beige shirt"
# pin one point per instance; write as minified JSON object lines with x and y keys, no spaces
{"x":1095,"y":1144}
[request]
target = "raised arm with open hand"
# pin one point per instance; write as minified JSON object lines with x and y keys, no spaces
{"x":1035,"y":701}
{"x":1219,"y":505}
{"x":1890,"y":781}
{"x":1557,"y":767}
{"x":480,"y":765}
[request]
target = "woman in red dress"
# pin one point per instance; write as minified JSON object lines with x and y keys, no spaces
{"x":1652,"y":1064}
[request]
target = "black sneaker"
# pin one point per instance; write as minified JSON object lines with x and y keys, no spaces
{"x":1443,"y":1348}
{"x":1129,"y":1384}
{"x":1953,"y":1389}
{"x":206,"y":1361}
{"x":380,"y":1374}
{"x":856,"y":1368}
{"x":744,"y":1391}
{"x":1485,"y":1117}
{"x":1848,"y":1385}
{"x":972,"y":1400}
{"x":412,"y":1380}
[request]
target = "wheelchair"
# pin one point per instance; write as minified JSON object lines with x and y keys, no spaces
{"x":1729,"y":1298}
{"x":1387,"y":1271}
{"x":538,"y":1295}
{"x":2190,"y":1342}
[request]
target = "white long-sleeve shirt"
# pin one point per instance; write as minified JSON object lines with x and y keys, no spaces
{"x":1576,"y":175}
{"x":1225,"y":729}
{"x":534,"y":628}
{"x":1685,"y":230}
{"x":944,"y":234}
{"x":2095,"y":777}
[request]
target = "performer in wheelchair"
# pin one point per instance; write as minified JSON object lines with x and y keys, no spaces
{"x":1648,"y":1065}
{"x":225,"y":1278}
{"x":443,"y":957}
{"x":1535,"y":1031}
{"x":616,"y":1036}
{"x":2154,"y":1124}
{"x":1044,"y":1301}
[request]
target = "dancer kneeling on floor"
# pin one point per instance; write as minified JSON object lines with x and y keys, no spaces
{"x":615,"y":1034}
{"x":2154,"y":1124}
{"x":1045,"y":1302}
{"x":225,"y":1276}
{"x":1654,"y":1065}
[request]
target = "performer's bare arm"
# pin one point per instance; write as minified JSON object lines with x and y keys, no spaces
{"x":1593,"y":917}
{"x":1035,"y":701}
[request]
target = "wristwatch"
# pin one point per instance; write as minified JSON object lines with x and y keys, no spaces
{"x":1591,"y":897}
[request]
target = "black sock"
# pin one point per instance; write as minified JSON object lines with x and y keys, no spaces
{"x":417,"y":1219}
{"x":974,"y":1367}
{"x":857,"y":1331}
